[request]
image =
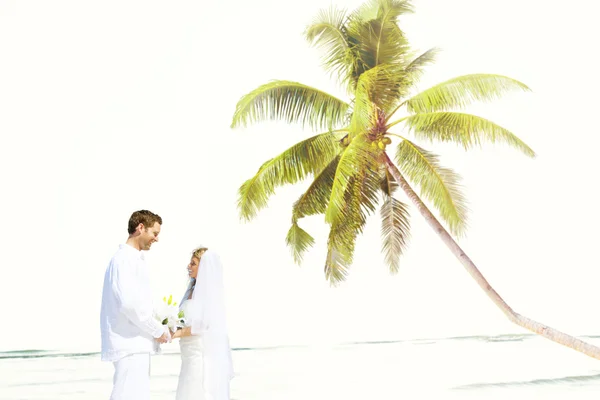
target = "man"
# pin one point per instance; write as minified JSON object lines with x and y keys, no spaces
{"x":127,"y":324}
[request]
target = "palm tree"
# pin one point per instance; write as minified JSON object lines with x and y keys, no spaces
{"x":352,"y":173}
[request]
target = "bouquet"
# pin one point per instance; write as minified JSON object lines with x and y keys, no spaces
{"x":167,"y":313}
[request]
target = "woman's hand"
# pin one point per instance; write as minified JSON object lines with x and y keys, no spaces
{"x":183,"y":332}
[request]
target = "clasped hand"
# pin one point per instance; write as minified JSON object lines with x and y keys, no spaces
{"x":168,"y":336}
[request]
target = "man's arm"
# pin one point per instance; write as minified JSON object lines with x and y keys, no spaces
{"x":138,"y":310}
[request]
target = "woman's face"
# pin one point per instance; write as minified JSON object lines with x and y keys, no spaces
{"x":193,"y":267}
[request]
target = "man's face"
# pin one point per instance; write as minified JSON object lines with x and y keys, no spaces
{"x":149,"y":236}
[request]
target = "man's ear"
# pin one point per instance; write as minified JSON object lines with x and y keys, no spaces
{"x":140,"y":228}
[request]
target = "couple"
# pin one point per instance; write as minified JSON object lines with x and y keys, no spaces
{"x":130,"y":330}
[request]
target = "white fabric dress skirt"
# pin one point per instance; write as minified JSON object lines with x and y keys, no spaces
{"x":190,"y":385}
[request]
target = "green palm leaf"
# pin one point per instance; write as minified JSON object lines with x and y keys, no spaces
{"x":412,"y":73}
{"x":377,"y":90}
{"x":340,"y":250}
{"x":420,"y":62}
{"x":465,"y":129}
{"x":415,"y":68}
{"x":361,"y":119}
{"x":376,"y":9}
{"x":291,"y":102}
{"x":374,"y":36}
{"x":356,"y":160}
{"x":395,"y":231}
{"x":366,"y":189}
{"x":313,"y":201}
{"x":298,"y":240}
{"x":327,"y":32}
{"x":461,"y":91}
{"x":291,"y":166}
{"x":342,"y":238}
{"x":437,"y":184}
{"x":382,"y":86}
{"x":381,"y":40}
{"x":360,"y":200}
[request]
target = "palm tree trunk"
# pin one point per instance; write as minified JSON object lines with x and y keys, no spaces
{"x":534,"y":326}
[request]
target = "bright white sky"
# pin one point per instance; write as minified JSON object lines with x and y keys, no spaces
{"x":108,"y":107}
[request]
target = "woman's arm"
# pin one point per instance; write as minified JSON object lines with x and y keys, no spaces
{"x":187,"y":331}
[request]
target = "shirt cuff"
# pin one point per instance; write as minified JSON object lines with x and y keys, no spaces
{"x":160,"y":331}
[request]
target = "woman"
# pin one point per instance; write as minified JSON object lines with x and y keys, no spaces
{"x":206,"y":365}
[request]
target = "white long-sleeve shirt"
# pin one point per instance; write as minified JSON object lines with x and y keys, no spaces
{"x":127,"y":323}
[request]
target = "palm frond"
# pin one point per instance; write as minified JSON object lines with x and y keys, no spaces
{"x":465,"y":129}
{"x":291,"y":102}
{"x":328,"y":33}
{"x":365,"y":190}
{"x":313,"y":201}
{"x":291,"y":166}
{"x":374,"y":36}
{"x":383,"y":10}
{"x":377,"y":89}
{"x":438,"y":185}
{"x":459,"y":92}
{"x":298,"y":240}
{"x":412,"y":74}
{"x":363,"y":110}
{"x":415,"y":68}
{"x":395,"y":231}
{"x":358,"y":159}
{"x":360,"y":200}
{"x":383,"y":86}
{"x":340,"y":250}
{"x":382,"y":41}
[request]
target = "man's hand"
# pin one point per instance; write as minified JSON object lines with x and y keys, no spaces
{"x":177,"y":334}
{"x":164,"y":338}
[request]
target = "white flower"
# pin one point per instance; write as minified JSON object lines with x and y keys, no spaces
{"x":167,"y":313}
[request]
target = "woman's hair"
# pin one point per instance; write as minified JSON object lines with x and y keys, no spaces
{"x":198,"y":252}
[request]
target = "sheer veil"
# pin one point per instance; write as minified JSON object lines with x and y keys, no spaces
{"x":208,"y":320}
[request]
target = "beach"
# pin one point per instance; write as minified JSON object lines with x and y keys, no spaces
{"x":490,"y":367}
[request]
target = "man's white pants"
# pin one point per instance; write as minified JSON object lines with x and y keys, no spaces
{"x":132,"y":378}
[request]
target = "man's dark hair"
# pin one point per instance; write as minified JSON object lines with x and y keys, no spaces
{"x":148,"y":218}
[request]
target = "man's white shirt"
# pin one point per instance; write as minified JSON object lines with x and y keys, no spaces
{"x":127,"y":322}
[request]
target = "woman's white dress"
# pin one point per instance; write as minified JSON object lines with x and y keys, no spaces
{"x":190,"y":385}
{"x":206,"y":363}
